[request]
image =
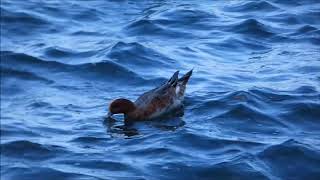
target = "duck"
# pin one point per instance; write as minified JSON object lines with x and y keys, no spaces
{"x":162,"y":100}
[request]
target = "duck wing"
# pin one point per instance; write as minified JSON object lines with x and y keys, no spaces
{"x":166,"y":89}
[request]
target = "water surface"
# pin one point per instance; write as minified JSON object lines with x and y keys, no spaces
{"x":252,"y":104}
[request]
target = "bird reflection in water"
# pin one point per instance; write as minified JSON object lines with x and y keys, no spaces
{"x":114,"y":129}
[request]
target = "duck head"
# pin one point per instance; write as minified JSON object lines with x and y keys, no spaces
{"x":121,"y":106}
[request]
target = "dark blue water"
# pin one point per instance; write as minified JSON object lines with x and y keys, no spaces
{"x":252,"y":105}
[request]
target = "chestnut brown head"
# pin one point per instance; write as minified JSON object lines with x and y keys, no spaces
{"x":121,"y":106}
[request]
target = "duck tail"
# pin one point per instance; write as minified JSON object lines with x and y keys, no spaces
{"x":173,"y":81}
{"x":182,"y":82}
{"x":184,"y":79}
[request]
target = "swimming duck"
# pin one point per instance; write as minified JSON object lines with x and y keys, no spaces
{"x":155,"y":103}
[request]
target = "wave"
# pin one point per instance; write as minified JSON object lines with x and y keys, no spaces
{"x":306,"y":90}
{"x":9,"y":72}
{"x":252,"y":6}
{"x":306,"y":18}
{"x":287,"y":3}
{"x":58,"y":52}
{"x":306,"y":29}
{"x":137,"y":55}
{"x":306,"y":33}
{"x":277,"y":157}
{"x":196,"y":141}
{"x":252,"y":27}
{"x":303,"y":113}
{"x":256,"y":108}
{"x":224,"y":170}
{"x":29,"y":150}
{"x":143,"y":27}
{"x":185,"y":15}
{"x":182,"y":18}
{"x":14,"y":130}
{"x":311,"y":17}
{"x":245,"y":117}
{"x":87,"y":15}
{"x":237,"y":45}
{"x":285,"y":18}
{"x":86,"y":139}
{"x":226,"y":99}
{"x":97,"y":164}
{"x":49,"y":173}
{"x":22,"y":18}
{"x":229,"y":170}
{"x":29,"y":64}
{"x":31,"y":23}
{"x":21,"y":59}
{"x":40,"y":104}
{"x":274,"y":96}
{"x":86,"y":33}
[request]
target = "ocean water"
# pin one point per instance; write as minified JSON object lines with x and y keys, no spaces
{"x":252,"y":106}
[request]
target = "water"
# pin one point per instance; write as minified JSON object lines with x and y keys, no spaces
{"x":252,"y":104}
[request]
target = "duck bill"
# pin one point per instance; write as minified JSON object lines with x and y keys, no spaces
{"x":109,"y":114}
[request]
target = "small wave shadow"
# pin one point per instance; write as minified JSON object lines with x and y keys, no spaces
{"x":115,"y":129}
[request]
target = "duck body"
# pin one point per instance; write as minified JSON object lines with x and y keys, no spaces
{"x":155,"y":103}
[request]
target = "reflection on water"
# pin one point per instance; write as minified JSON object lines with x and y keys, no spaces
{"x":114,"y":129}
